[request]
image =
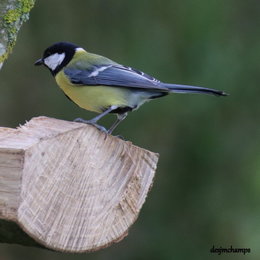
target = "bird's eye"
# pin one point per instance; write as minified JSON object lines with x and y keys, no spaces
{"x":47,"y":53}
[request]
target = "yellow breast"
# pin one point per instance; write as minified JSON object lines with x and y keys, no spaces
{"x":93,"y":98}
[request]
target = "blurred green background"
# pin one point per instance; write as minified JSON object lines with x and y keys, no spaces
{"x":207,"y":186}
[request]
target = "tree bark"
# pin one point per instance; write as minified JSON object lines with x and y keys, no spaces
{"x":13,"y":13}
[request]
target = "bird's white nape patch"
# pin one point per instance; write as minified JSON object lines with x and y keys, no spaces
{"x":79,"y":49}
{"x":54,"y":60}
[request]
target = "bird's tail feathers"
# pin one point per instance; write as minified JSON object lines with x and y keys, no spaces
{"x":176,"y":88}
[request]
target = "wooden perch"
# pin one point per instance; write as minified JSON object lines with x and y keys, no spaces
{"x":69,"y":186}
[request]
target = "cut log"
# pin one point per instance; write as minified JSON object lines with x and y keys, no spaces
{"x":69,"y":186}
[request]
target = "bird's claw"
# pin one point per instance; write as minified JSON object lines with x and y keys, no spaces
{"x":99,"y":127}
{"x":121,"y":137}
{"x":90,"y":122}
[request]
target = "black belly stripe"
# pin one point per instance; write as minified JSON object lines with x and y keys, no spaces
{"x":122,"y":110}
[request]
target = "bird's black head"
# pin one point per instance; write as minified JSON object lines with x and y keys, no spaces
{"x":57,"y":56}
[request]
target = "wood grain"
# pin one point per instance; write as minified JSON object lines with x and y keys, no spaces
{"x":69,"y":186}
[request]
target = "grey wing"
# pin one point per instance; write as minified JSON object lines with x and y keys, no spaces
{"x":114,"y":75}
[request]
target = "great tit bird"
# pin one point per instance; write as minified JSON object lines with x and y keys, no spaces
{"x":101,"y":85}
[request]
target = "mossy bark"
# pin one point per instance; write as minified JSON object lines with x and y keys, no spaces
{"x":13,"y":13}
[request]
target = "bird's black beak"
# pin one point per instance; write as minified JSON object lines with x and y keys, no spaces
{"x":38,"y":62}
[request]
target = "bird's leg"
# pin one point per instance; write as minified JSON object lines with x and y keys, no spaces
{"x":120,"y":117}
{"x":94,"y":120}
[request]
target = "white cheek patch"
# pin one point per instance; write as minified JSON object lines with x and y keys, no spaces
{"x":54,"y":60}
